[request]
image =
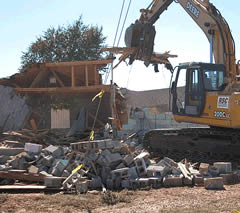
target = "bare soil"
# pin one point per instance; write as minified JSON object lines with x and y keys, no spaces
{"x":180,"y":199}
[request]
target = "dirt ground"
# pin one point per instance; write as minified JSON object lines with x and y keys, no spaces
{"x":181,"y":199}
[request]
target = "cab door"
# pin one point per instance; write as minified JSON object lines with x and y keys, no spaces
{"x":188,"y":92}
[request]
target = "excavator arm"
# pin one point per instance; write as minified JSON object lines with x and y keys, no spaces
{"x":141,"y":34}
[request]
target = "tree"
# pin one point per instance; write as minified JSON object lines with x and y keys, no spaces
{"x":75,"y":42}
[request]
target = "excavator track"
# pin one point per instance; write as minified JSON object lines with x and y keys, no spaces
{"x":195,"y":144}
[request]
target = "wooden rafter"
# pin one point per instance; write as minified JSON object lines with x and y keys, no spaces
{"x":40,"y":76}
{"x":58,"y":78}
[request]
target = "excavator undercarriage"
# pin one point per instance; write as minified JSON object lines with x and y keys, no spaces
{"x":195,"y":144}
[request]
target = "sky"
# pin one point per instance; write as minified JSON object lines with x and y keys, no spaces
{"x":23,"y":21}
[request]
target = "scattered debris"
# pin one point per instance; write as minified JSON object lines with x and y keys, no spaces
{"x":107,"y":164}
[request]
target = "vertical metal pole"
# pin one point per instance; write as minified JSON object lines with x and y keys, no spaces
{"x":211,"y":49}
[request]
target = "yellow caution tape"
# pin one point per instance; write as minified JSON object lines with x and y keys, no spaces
{"x":235,"y":211}
{"x":76,"y":169}
{"x":91,"y":135}
{"x":100,"y":95}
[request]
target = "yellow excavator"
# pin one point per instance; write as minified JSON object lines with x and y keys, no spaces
{"x":202,"y":93}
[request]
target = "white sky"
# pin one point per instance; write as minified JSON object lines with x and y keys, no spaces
{"x":22,"y":21}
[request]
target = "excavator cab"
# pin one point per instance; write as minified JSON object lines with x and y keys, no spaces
{"x":192,"y":82}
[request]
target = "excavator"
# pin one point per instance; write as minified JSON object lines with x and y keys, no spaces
{"x":201,"y":93}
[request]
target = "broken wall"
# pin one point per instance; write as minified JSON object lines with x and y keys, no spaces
{"x":14,"y":110}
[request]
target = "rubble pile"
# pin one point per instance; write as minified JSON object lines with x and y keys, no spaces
{"x":106,"y":164}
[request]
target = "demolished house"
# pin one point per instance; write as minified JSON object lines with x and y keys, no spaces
{"x":57,"y":95}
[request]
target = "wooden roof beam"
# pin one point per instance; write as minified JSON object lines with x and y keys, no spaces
{"x":79,"y":63}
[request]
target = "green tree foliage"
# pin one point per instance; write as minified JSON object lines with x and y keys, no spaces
{"x":75,"y":42}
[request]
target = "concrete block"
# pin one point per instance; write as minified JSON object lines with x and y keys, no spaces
{"x":109,"y":183}
{"x":56,"y":151}
{"x":82,"y":187}
{"x":213,"y":171}
{"x":96,"y":183}
{"x":167,"y":162}
{"x":32,"y":148}
{"x":53,"y":182}
{"x":125,"y":184}
{"x":120,"y":166}
{"x":128,"y":159}
{"x":33,"y":169}
{"x":123,"y":173}
{"x":229,"y":179}
{"x":198,"y":181}
{"x":143,"y":182}
{"x":105,"y":174}
{"x":132,"y":173}
{"x":204,"y":168}
{"x":47,"y":161}
{"x":156,"y":171}
{"x":223,"y":167}
{"x":141,"y":167}
{"x":187,"y":182}
{"x":110,"y":159}
{"x":213,"y":183}
{"x":155,"y":182}
{"x":170,"y":181}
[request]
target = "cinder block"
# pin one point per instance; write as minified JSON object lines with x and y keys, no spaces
{"x":204,"y":168}
{"x":96,"y":183}
{"x":143,"y":182}
{"x":172,"y":181}
{"x":156,"y":171}
{"x":141,"y":167}
{"x":82,"y":187}
{"x":56,"y":151}
{"x":128,"y":159}
{"x":187,"y":182}
{"x":132,"y":173}
{"x":213,"y":171}
{"x":53,"y":182}
{"x":123,"y":173}
{"x":213,"y":183}
{"x":223,"y":167}
{"x":47,"y":161}
{"x":155,"y":182}
{"x":125,"y":184}
{"x":32,"y":148}
{"x":198,"y":181}
{"x":228,"y":179}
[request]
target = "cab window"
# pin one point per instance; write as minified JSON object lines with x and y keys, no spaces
{"x":213,"y":80}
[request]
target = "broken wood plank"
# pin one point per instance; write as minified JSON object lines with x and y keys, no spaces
{"x":33,"y":125}
{"x":83,"y":89}
{"x":15,"y":175}
{"x":184,"y":171}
